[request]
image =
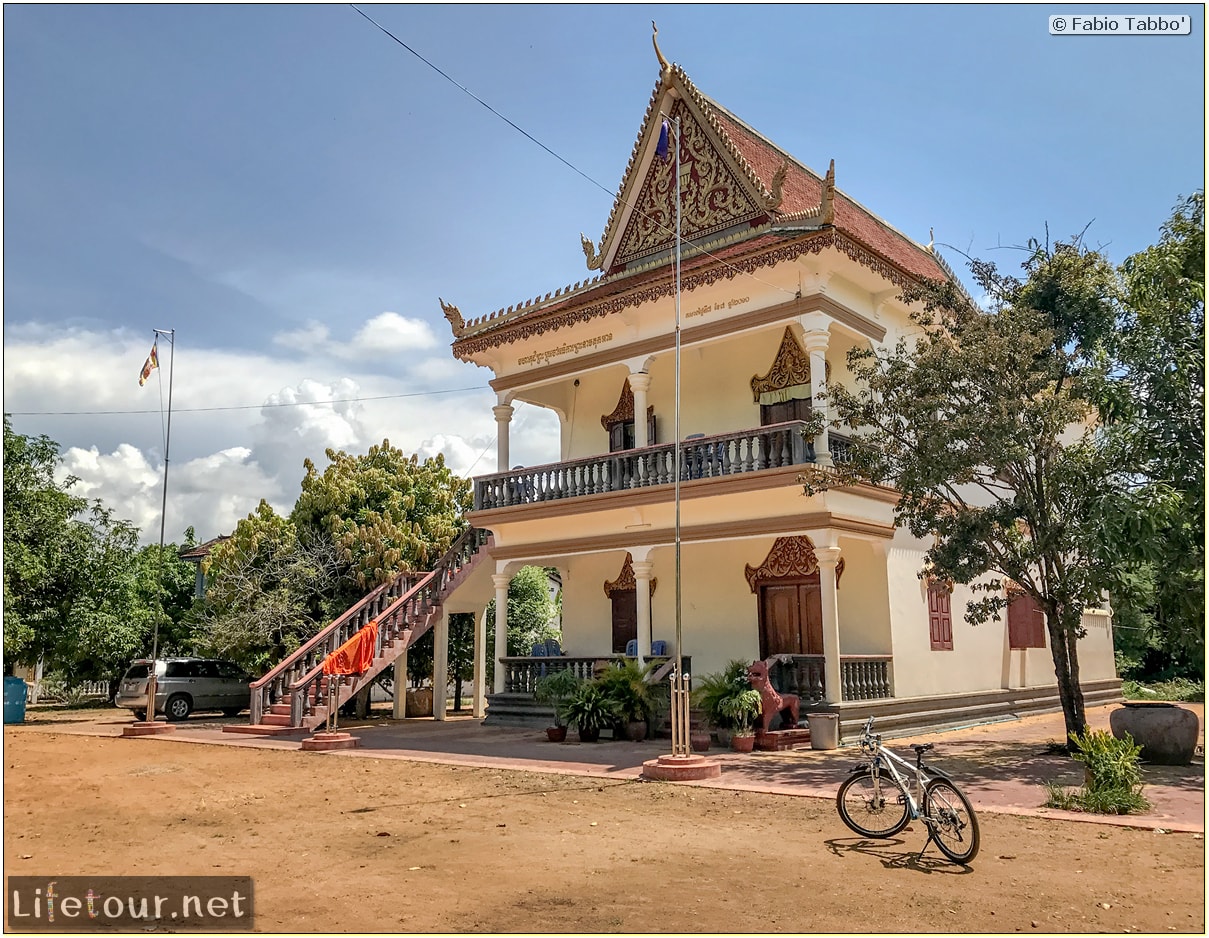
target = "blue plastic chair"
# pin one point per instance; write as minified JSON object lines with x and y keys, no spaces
{"x":553,"y":649}
{"x":659,"y":648}
{"x":631,"y":648}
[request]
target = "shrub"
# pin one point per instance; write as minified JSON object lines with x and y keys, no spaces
{"x":588,"y":708}
{"x":1113,"y":776}
{"x":626,"y":685}
{"x":715,"y":688}
{"x":554,"y":688}
{"x":741,"y":709}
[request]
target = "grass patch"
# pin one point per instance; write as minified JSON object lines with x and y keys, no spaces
{"x":1178,"y":689}
{"x":1104,"y":801}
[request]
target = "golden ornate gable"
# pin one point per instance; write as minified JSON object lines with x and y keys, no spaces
{"x":713,"y":196}
{"x":789,"y":557}
{"x":790,"y":368}
{"x":625,"y":408}
{"x":625,"y":579}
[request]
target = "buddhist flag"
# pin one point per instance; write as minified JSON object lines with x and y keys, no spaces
{"x":149,"y":366}
{"x":661,"y":149}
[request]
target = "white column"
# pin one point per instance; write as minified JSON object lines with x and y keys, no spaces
{"x":642,"y":580}
{"x":640,"y":383}
{"x":503,"y":416}
{"x":479,"y":705}
{"x":815,"y":341}
{"x":440,"y":666}
{"x":501,"y":581}
{"x":832,"y":685}
{"x":400,"y":706}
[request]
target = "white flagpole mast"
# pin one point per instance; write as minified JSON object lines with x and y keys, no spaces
{"x":155,"y":634}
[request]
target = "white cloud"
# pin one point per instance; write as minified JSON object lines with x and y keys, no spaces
{"x":244,"y":421}
{"x":384,"y":337}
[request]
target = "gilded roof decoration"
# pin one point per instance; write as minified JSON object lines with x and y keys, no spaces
{"x":594,"y":258}
{"x":625,"y":408}
{"x":731,"y":172}
{"x":791,"y":367}
{"x":712,"y":196}
{"x":626,"y":580}
{"x":790,"y":557}
{"x":454,"y":315}
{"x":663,"y":65}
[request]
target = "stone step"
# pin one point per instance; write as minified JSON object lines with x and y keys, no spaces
{"x":280,"y":708}
{"x":263,"y":729}
{"x":777,"y":740}
{"x":277,"y":719}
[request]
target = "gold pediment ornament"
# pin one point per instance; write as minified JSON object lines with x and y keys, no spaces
{"x":625,"y":408}
{"x":790,"y":369}
{"x":625,"y":579}
{"x":712,"y":194}
{"x":790,"y":557}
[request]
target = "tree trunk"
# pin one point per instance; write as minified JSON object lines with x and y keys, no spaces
{"x":457,"y":694}
{"x":362,"y":701}
{"x":1063,"y":648}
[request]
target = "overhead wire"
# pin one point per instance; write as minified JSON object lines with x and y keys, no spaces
{"x":229,"y":407}
{"x":697,"y":249}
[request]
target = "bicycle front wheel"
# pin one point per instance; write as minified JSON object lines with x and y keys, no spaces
{"x":954,"y":826}
{"x":873,"y":807}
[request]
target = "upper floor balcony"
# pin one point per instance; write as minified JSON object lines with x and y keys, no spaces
{"x":726,"y":454}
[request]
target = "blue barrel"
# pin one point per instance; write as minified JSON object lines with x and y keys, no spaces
{"x":14,"y":700}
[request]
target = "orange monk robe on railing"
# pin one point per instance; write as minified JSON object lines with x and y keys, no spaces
{"x":357,"y":654}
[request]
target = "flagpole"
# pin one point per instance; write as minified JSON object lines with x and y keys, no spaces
{"x":155,"y":634}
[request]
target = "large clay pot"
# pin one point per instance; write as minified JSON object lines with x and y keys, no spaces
{"x":1166,"y":733}
{"x":743,"y":743}
{"x":635,"y":730}
{"x":419,"y":702}
{"x":699,"y":741}
{"x":556,"y":734}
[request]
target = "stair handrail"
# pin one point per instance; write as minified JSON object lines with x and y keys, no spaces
{"x":393,"y":619}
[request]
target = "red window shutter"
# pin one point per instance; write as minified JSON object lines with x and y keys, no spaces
{"x":940,"y":617}
{"x":1026,"y":622}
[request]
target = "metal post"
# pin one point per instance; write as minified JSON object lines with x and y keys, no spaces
{"x":680,"y":723}
{"x":159,"y":585}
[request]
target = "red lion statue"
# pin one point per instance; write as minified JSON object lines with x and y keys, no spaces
{"x":772,"y":702}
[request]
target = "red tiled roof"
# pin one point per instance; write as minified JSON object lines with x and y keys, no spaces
{"x":202,"y":551}
{"x":802,"y":190}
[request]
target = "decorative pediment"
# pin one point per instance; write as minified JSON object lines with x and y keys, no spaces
{"x":790,"y":557}
{"x":790,"y":369}
{"x":625,"y":408}
{"x":713,"y":195}
{"x":625,"y":579}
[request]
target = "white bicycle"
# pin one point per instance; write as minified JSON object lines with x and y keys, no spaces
{"x":876,"y":801}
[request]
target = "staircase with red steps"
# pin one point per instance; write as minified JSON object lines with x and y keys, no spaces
{"x":292,"y":697}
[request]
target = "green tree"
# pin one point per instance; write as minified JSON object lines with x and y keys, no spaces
{"x":38,"y":574}
{"x":385,"y":512}
{"x":982,"y":422}
{"x":268,"y":590}
{"x":1154,"y":404}
{"x":531,"y":611}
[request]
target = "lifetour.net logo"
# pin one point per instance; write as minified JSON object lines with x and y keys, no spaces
{"x":123,"y":903}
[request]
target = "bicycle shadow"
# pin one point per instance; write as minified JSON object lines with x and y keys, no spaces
{"x":883,"y":851}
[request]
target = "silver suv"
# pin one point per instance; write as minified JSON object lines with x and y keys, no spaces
{"x":183,"y":685}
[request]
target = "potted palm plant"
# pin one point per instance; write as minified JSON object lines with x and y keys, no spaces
{"x":742,"y":708}
{"x":716,"y":688}
{"x":553,"y":689}
{"x":587,"y":709}
{"x":626,"y":684}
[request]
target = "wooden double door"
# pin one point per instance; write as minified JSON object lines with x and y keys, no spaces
{"x":791,"y":616}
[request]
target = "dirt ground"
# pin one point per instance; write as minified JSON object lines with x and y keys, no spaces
{"x":340,"y":844}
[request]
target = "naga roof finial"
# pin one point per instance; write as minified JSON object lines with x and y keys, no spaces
{"x":659,"y":55}
{"x":454,"y":315}
{"x":594,"y":258}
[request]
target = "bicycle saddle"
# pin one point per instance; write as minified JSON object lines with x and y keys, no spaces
{"x":922,"y":747}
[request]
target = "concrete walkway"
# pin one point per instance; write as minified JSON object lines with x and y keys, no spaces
{"x":1002,"y":767}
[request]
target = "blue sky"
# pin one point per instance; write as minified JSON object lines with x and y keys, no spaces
{"x":291,"y":191}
